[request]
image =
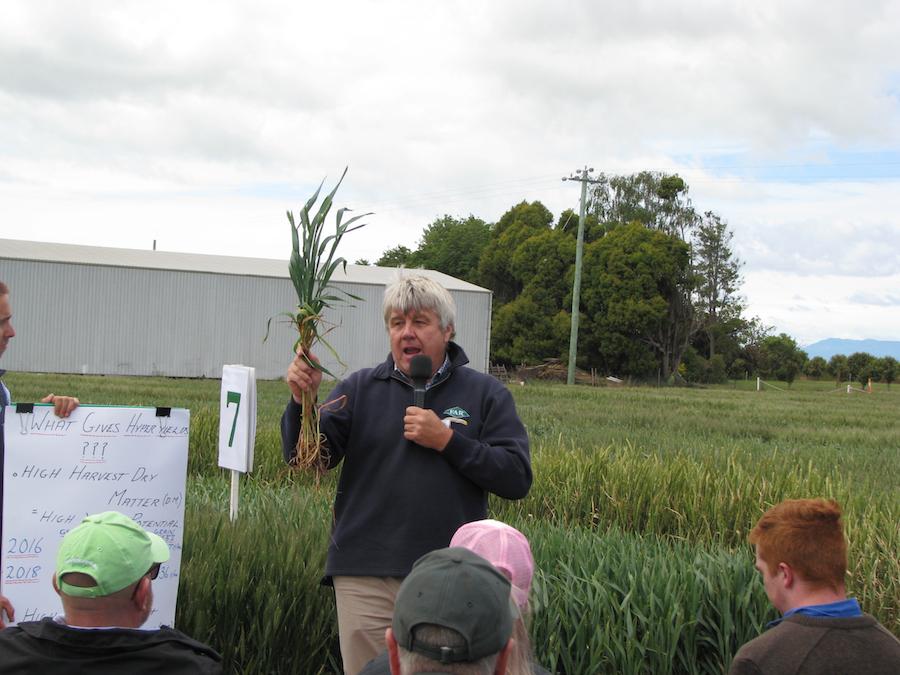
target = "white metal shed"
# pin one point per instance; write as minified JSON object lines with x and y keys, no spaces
{"x":89,"y":309}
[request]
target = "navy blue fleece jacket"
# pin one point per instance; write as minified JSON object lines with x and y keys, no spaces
{"x":397,"y":500}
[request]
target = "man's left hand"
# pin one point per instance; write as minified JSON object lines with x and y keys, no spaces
{"x":62,"y":405}
{"x":422,"y":426}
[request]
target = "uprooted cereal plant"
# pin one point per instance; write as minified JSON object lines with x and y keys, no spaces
{"x":312,"y":265}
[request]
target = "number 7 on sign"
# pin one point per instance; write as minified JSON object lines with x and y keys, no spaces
{"x":233,"y":397}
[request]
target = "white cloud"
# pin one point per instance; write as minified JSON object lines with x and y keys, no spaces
{"x":198,"y":124}
{"x":886,"y":298}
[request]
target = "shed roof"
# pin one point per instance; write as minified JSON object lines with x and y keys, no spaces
{"x":15,"y":249}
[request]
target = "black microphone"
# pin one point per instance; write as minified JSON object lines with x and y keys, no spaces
{"x":419,"y":372}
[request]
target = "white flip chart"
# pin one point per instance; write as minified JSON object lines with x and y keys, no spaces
{"x":101,"y":458}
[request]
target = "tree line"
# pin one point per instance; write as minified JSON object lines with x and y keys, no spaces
{"x":659,"y":289}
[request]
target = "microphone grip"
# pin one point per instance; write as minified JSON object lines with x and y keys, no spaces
{"x":419,"y":372}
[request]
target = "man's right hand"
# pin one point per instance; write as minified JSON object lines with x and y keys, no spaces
{"x":6,"y":605}
{"x":302,"y":377}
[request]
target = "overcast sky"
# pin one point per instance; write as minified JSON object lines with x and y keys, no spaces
{"x":198,"y":124}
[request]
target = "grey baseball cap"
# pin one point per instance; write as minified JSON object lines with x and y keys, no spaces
{"x":458,"y":589}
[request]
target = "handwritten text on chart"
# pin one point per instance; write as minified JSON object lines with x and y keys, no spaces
{"x":33,"y":471}
{"x":93,"y":424}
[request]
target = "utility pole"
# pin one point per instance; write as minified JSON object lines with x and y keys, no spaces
{"x":583,"y":177}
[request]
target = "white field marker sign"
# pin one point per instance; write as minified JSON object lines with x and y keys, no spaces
{"x":237,"y":425}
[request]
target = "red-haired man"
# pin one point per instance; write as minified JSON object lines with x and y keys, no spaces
{"x":801,"y":553}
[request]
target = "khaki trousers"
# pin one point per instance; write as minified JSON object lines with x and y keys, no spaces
{"x":365,"y":607}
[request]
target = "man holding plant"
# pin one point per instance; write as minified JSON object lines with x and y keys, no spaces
{"x":801,"y":553}
{"x":62,"y":407}
{"x":411,"y":475}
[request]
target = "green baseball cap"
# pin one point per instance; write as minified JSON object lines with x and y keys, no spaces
{"x":112,"y":549}
{"x":458,"y":589}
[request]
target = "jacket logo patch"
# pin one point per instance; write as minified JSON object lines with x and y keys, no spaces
{"x":456,"y":412}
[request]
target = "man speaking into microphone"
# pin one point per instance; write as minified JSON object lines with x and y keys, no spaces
{"x":423,"y":440}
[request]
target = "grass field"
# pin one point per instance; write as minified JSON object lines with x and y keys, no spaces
{"x":638,"y":518}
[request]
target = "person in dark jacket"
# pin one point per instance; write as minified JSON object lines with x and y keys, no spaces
{"x":801,"y":553}
{"x":104,"y":576}
{"x":411,"y":475}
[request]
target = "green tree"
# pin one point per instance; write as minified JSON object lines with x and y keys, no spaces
{"x":816,"y":367}
{"x":705,"y":292}
{"x":871,"y":372}
{"x":495,"y":268}
{"x":543,"y":263}
{"x":452,"y":246}
{"x":743,"y":347}
{"x":527,"y":331}
{"x":781,"y":358}
{"x":861,"y":365}
{"x":890,"y":370}
{"x":657,"y":200}
{"x":536,"y":324}
{"x":838,"y":368}
{"x":695,"y":368}
{"x":717,"y":369}
{"x":633,"y":292}
{"x":568,"y":222}
{"x":738,"y":369}
{"x":394,"y":257}
{"x":717,"y":274}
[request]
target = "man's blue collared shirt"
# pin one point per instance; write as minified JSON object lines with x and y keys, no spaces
{"x":435,"y":378}
{"x":831,"y":610}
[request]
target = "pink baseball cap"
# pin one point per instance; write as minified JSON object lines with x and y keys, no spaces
{"x":504,"y":547}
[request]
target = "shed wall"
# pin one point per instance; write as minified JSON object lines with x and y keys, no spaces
{"x":80,"y":318}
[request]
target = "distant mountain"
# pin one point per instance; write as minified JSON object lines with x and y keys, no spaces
{"x":831,"y":346}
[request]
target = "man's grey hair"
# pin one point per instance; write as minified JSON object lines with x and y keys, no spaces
{"x":438,"y":636}
{"x":417,"y":292}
